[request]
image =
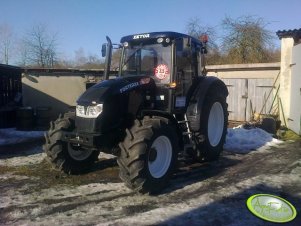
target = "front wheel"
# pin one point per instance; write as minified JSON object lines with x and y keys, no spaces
{"x":213,"y":128}
{"x":148,"y":155}
{"x":64,"y":156}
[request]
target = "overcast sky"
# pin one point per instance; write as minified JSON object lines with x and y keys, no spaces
{"x":85,"y":23}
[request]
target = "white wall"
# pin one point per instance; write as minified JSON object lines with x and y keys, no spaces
{"x":294,"y":119}
{"x":285,"y":76}
{"x":248,"y":71}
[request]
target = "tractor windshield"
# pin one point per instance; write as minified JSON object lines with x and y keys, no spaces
{"x":151,"y":59}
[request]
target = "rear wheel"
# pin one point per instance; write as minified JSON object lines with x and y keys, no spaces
{"x":148,"y":155}
{"x":214,"y":121}
{"x":64,"y":156}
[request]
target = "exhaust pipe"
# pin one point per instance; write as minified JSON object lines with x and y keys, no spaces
{"x":107,"y":51}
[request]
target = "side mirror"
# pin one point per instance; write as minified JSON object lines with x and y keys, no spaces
{"x":104,"y":50}
{"x":186,"y":52}
{"x":186,"y":43}
{"x":204,"y":50}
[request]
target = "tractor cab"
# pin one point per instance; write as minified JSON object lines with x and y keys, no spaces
{"x":171,"y":59}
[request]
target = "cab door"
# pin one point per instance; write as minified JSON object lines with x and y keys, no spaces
{"x":186,"y":72}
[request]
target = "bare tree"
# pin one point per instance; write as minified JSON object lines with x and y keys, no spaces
{"x":90,"y":61}
{"x":22,"y":50}
{"x":6,"y":40}
{"x":195,"y":29}
{"x":80,"y":57}
{"x":41,"y":46}
{"x":246,"y":40}
{"x":115,"y":59}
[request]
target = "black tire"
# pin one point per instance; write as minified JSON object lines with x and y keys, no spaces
{"x":62,"y":155}
{"x":214,"y":121}
{"x":269,"y":125}
{"x":143,"y":167}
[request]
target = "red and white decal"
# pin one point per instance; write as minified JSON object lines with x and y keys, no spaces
{"x":162,"y":71}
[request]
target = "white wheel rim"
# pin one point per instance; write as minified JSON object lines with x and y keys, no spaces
{"x":160,"y":165}
{"x":79,"y":154}
{"x":215,"y":124}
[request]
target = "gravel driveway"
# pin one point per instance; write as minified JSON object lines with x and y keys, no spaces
{"x":199,"y":194}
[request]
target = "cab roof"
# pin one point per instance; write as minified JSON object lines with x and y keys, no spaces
{"x":155,"y":35}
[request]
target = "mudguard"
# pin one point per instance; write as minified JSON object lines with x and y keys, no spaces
{"x":194,"y":109}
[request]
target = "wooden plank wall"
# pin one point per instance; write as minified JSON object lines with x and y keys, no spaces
{"x":246,"y":95}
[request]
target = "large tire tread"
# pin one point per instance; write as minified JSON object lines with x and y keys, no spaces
{"x":56,"y":149}
{"x":134,"y":154}
{"x":207,"y":152}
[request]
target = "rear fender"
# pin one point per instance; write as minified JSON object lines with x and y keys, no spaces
{"x":195,"y":106}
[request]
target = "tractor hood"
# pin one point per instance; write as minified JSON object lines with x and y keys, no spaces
{"x":101,"y":91}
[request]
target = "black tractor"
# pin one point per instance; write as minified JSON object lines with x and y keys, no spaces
{"x":160,"y":107}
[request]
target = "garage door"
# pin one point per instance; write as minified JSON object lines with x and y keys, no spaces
{"x":247,"y":96}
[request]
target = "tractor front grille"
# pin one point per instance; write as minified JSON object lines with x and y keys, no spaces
{"x":87,"y":125}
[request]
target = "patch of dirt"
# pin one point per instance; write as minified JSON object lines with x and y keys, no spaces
{"x":32,"y":193}
{"x":103,"y":171}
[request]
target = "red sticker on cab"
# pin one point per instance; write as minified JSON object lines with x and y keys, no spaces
{"x":161,"y":71}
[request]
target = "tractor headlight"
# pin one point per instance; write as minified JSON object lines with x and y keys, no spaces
{"x":90,"y":111}
{"x":94,"y":111}
{"x":80,"y":111}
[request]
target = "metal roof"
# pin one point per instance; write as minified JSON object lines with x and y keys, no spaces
{"x":6,"y":68}
{"x":296,"y":34}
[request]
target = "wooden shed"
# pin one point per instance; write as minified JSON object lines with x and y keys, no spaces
{"x":10,"y":94}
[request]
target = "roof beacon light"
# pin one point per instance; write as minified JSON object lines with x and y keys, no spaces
{"x":204,"y":38}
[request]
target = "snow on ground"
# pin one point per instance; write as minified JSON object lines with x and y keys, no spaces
{"x":238,"y":139}
{"x":23,"y":161}
{"x":13,"y":136}
{"x":242,"y":140}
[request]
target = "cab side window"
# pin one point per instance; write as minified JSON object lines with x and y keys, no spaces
{"x":187,"y":64}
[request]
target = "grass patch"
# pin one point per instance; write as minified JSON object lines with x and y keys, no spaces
{"x":290,"y":135}
{"x":43,"y":176}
